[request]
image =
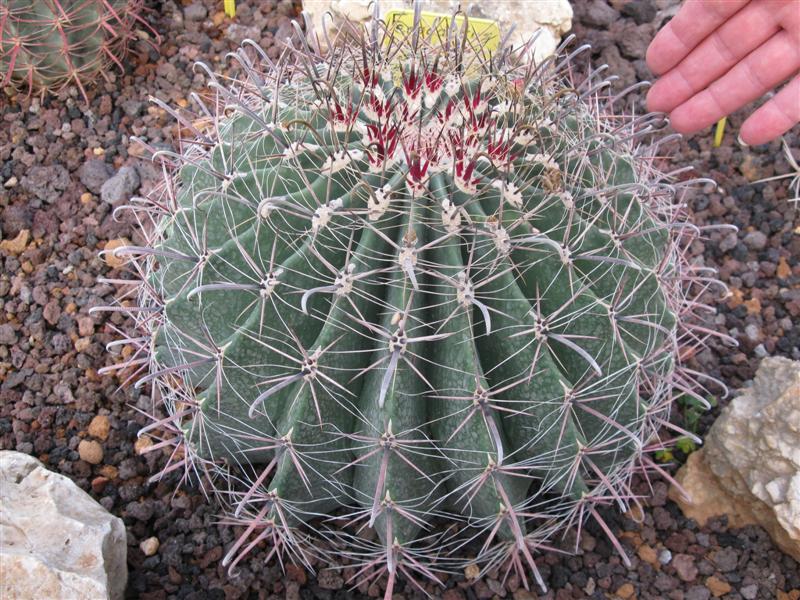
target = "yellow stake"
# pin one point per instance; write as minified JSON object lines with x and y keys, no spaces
{"x":720,"y":131}
{"x":230,"y":8}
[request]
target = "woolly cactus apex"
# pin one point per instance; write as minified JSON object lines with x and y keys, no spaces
{"x":409,"y":303}
{"x":48,"y":44}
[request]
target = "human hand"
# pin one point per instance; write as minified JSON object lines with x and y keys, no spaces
{"x":715,"y":56}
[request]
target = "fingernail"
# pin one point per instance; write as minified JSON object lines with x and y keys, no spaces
{"x":741,"y":142}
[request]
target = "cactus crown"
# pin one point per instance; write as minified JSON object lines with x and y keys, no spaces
{"x":408,"y":282}
{"x":48,"y":44}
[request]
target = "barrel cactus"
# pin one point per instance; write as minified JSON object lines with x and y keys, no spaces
{"x":48,"y":44}
{"x":410,"y":303}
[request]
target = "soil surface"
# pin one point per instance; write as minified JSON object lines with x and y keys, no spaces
{"x":56,"y":154}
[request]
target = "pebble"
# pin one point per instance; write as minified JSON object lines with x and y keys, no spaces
{"x":132,"y":107}
{"x":717,"y":586}
{"x":725,"y":559}
{"x":641,"y":12}
{"x":85,"y":326}
{"x":99,"y":427}
{"x":598,"y":13}
{"x":634,"y":39}
{"x":127,"y":469}
{"x":729,"y":242}
{"x":590,"y":587}
{"x":238,"y":33}
{"x":52,"y":312}
{"x":296,"y":573}
{"x":16,"y":245}
{"x":119,"y":188}
{"x":753,"y":332}
{"x":149,"y":546}
{"x":99,"y":484}
{"x":46,"y":182}
{"x":15,"y":218}
{"x":168,"y":71}
{"x":94,"y":173}
{"x":749,"y":592}
{"x":90,"y":451}
{"x":195,"y":12}
{"x":685,"y":567}
{"x":755,"y":240}
{"x":329,"y":579}
{"x":141,"y":511}
{"x":697,"y":592}
{"x":82,"y":344}
{"x":292,"y":590}
{"x":496,"y":587}
{"x":588,"y":542}
{"x":142,"y":444}
{"x":115,"y":262}
{"x":8,"y":334}
{"x":109,"y":471}
{"x":625,"y":591}
{"x":648,"y":554}
{"x":750,"y":167}
{"x":665,"y":582}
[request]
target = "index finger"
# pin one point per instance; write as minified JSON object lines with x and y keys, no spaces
{"x":695,"y":21}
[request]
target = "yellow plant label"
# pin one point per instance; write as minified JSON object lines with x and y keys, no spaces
{"x":719,"y":132}
{"x":482,"y":33}
{"x":230,"y":8}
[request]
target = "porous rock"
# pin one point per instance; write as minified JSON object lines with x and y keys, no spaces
{"x":196,"y":11}
{"x":94,"y":173}
{"x":16,"y":245}
{"x":46,"y":183}
{"x":597,"y":13}
{"x":553,"y":18}
{"x":121,"y":186}
{"x":55,"y":540}
{"x":749,"y":467}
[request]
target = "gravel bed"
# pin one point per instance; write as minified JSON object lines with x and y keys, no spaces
{"x":65,"y":167}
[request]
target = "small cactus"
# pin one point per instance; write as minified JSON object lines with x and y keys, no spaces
{"x":49,"y":44}
{"x":411,"y":303}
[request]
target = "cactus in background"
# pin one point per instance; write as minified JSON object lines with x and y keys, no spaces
{"x":48,"y":44}
{"x":413,"y":288}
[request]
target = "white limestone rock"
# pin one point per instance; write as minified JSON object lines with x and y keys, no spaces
{"x":749,"y":467}
{"x":55,"y":540}
{"x":553,"y":17}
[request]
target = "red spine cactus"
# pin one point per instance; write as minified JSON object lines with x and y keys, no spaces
{"x":50,"y":44}
{"x":410,"y":305}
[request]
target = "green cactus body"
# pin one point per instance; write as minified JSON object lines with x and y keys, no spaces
{"x":453,"y":297}
{"x":47,"y":44}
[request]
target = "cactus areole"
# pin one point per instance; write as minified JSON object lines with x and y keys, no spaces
{"x":49,"y":44}
{"x":407,"y":303}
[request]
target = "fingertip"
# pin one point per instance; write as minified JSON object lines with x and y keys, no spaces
{"x":752,"y":134}
{"x":653,"y":58}
{"x":664,"y":52}
{"x":775,"y":118}
{"x":747,"y":133}
{"x":683,"y":122}
{"x":656,"y":100}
